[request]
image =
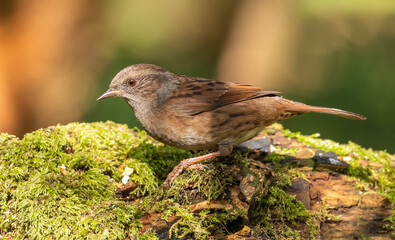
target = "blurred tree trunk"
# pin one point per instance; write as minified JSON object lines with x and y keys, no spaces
{"x":258,"y":49}
{"x":46,"y":48}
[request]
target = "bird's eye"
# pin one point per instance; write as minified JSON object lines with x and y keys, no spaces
{"x":131,"y":82}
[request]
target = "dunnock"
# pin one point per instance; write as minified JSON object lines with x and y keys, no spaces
{"x":202,"y":114}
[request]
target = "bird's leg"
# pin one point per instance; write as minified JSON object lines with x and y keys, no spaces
{"x":224,"y":149}
{"x":186,"y":163}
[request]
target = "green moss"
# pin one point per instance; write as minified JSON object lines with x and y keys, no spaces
{"x":160,"y":158}
{"x":321,"y":144}
{"x":213,"y":183}
{"x":39,"y":201}
{"x":276,"y":214}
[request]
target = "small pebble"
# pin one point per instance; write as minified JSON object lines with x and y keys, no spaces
{"x":125,"y":179}
{"x":329,"y":160}
{"x":261,"y":144}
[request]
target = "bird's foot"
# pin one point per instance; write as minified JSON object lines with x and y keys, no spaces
{"x":198,"y":166}
{"x":188,"y":163}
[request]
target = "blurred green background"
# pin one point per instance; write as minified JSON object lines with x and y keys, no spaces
{"x":57,"y":58}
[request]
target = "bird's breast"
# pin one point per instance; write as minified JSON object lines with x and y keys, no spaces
{"x":171,"y":128}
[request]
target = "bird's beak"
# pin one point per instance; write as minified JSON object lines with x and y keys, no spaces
{"x":107,"y":94}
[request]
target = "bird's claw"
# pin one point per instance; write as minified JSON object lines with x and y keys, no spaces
{"x":198,"y":166}
{"x":188,"y":163}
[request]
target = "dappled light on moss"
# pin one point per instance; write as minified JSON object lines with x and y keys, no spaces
{"x":39,"y":201}
{"x":65,"y":182}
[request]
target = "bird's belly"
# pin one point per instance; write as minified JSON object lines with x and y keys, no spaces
{"x":180,"y":132}
{"x":186,"y":138}
{"x":204,"y":131}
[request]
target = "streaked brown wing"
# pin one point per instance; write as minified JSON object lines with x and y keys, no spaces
{"x":237,"y":93}
{"x":196,"y":95}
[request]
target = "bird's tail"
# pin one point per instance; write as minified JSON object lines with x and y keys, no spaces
{"x":299,"y":108}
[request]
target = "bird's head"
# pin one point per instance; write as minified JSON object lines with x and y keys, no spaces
{"x":142,"y":85}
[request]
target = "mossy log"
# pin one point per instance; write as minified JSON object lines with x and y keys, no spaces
{"x":103,"y":181}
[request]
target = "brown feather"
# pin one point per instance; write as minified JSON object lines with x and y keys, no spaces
{"x":299,"y":108}
{"x":202,"y":95}
{"x":238,"y":93}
